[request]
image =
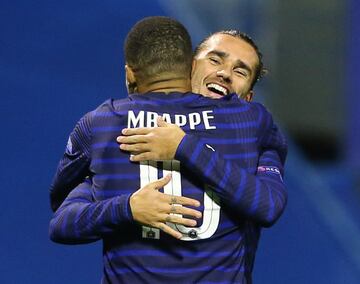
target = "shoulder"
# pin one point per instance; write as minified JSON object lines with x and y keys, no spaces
{"x":271,"y":134}
{"x":88,"y":118}
{"x":262,"y":114}
{"x":259,"y":108}
{"x":110,"y":106}
{"x":251,"y":110}
{"x":227,"y":102}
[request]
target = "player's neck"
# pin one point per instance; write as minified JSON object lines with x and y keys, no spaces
{"x":165,"y":85}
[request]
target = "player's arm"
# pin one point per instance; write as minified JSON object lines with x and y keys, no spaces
{"x":261,"y":197}
{"x":83,"y":219}
{"x":74,"y":165}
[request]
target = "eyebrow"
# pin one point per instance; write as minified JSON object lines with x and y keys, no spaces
{"x":219,"y":53}
{"x":223,"y":55}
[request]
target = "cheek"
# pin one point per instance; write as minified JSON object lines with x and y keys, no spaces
{"x":198,"y":77}
{"x":241,"y":86}
{"x":195,"y":82}
{"x":203,"y":69}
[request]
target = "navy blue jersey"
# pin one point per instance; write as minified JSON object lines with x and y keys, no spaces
{"x":231,"y":160}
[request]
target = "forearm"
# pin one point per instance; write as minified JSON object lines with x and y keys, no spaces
{"x":81,"y":219}
{"x":260,"y":197}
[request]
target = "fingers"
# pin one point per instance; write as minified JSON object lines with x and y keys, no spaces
{"x":136,"y":131}
{"x":161,"y":122}
{"x":135,"y":148}
{"x":166,"y":229}
{"x":157,"y":209}
{"x":185,"y":211}
{"x":132,"y":139}
{"x":172,"y":199}
{"x":160,"y":183}
{"x":135,"y":143}
{"x":146,"y":156}
{"x":180,"y":220}
{"x":175,"y":220}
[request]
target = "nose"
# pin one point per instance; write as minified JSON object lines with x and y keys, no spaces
{"x":223,"y":73}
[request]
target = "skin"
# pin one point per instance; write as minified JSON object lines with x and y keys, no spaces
{"x":226,"y":61}
{"x":155,"y":214}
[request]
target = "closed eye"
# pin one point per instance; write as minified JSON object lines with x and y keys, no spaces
{"x":214,"y":60}
{"x":241,"y":72}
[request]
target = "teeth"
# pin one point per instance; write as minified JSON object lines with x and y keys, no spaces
{"x":218,"y":88}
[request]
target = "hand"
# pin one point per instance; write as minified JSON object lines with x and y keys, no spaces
{"x":153,"y":208}
{"x":157,"y":143}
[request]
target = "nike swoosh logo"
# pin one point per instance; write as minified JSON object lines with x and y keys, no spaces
{"x":207,"y":145}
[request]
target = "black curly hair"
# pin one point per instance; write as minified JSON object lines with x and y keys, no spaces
{"x":156,"y":45}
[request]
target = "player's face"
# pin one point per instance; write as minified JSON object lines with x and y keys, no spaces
{"x":225,"y":65}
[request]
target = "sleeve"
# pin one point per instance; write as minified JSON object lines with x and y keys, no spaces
{"x":262,"y":196}
{"x":74,"y":165}
{"x":82,"y":219}
{"x":270,"y":135}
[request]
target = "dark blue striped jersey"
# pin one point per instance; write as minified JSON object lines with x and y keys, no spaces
{"x":231,"y":160}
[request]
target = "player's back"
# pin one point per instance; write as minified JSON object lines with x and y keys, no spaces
{"x":221,"y":247}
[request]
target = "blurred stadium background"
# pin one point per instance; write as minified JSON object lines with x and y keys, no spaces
{"x":59,"y":59}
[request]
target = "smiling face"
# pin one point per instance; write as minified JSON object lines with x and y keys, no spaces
{"x":225,"y":64}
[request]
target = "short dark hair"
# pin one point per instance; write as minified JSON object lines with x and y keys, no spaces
{"x":157,"y":45}
{"x":260,"y":71}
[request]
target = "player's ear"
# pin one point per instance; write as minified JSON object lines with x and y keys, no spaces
{"x":249,"y":96}
{"x":131,"y":84}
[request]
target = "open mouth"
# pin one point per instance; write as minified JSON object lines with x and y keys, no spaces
{"x":217,"y":89}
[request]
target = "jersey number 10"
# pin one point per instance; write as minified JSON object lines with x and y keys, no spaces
{"x":211,"y":214}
